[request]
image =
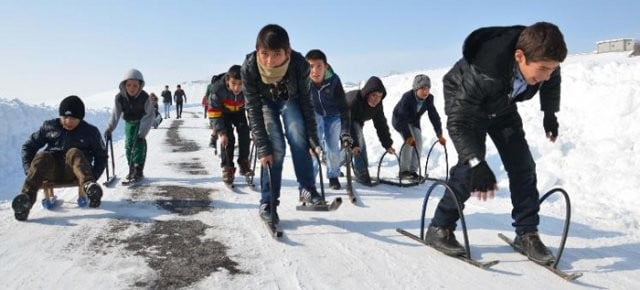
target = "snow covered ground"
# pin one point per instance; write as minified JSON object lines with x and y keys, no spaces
{"x":183,"y":228}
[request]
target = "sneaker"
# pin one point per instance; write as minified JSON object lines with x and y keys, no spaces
{"x":228,"y":174}
{"x":310,"y":196}
{"x":21,"y":206}
{"x":334,"y":183}
{"x":94,"y":193}
{"x":267,"y":215}
{"x":444,"y":240}
{"x":530,"y":245}
{"x":245,"y":169}
{"x":409,"y":175}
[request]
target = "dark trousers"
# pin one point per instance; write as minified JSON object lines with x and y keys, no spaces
{"x":508,"y":136}
{"x":239,"y":121}
{"x":58,"y":168}
{"x":178,"y":109}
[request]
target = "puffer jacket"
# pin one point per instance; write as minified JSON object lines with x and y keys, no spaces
{"x":222,"y":102}
{"x":479,"y":86}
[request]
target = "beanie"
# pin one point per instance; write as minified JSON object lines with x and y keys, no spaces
{"x":72,"y":106}
{"x":421,"y":81}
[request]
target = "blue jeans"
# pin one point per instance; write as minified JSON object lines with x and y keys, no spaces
{"x":296,"y":133}
{"x":329,"y":135}
{"x":360,"y":161}
{"x":167,"y":110}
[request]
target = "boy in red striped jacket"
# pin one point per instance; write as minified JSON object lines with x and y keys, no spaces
{"x":226,"y":102}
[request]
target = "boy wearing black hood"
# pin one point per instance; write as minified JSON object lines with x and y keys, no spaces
{"x":275,"y":82}
{"x":134,"y":105}
{"x":75,"y":152}
{"x":364,"y":105}
{"x":500,"y":67}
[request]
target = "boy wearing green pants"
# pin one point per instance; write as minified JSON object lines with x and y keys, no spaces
{"x":135,"y":107}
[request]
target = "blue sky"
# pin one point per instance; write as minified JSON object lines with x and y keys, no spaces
{"x":51,"y":49}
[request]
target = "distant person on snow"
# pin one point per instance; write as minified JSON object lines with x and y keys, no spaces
{"x":500,"y":67}
{"x":180,"y":98}
{"x":364,"y":105}
{"x":75,"y":152}
{"x":406,"y":120}
{"x":331,"y":112}
{"x":134,"y":105}
{"x":166,"y":100}
{"x":157,"y":118}
{"x":227,"y":103}
{"x":275,"y":81}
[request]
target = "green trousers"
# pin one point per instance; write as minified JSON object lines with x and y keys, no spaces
{"x":135,"y":147}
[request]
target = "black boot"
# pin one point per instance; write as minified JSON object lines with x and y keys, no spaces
{"x":310,"y":196}
{"x":443,"y":240}
{"x":21,"y":206}
{"x":334,"y":183}
{"x":94,"y":193}
{"x":138,"y":171}
{"x":531,"y":245}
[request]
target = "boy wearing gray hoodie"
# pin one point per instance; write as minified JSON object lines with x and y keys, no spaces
{"x":135,"y":107}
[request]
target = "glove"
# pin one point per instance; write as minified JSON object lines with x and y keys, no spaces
{"x":346,"y":140}
{"x":107,"y":134}
{"x":482,"y":179}
{"x":411,"y":141}
{"x":550,"y":123}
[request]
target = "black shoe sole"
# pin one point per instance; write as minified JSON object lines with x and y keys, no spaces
{"x":95,"y":196}
{"x":21,"y":206}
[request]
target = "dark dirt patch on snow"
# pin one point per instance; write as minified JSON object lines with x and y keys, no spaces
{"x":176,"y":199}
{"x":174,"y":139}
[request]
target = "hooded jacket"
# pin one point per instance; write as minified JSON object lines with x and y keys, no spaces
{"x":296,"y":81}
{"x":406,"y":113}
{"x":58,"y":140}
{"x":360,"y":111}
{"x":222,"y":102}
{"x":329,"y":99}
{"x":479,"y":86}
{"x":133,"y":108}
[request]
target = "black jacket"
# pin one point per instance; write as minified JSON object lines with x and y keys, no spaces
{"x":479,"y":86}
{"x":360,"y":111}
{"x":329,"y":100}
{"x":166,"y":97}
{"x":85,"y":137}
{"x":406,"y":113}
{"x":255,"y":91}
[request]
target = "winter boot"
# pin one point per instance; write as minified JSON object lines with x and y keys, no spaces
{"x":94,"y":193}
{"x":267,"y":215}
{"x":444,"y":240}
{"x":228,"y":174}
{"x":21,"y":206}
{"x":245,"y":169}
{"x":310,"y":196}
{"x":334,"y":183}
{"x":130,"y":174}
{"x":137,"y":171}
{"x":531,"y":245}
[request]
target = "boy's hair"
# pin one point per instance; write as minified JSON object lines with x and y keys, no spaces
{"x":273,"y":37}
{"x":178,"y":86}
{"x":542,"y":41}
{"x":234,"y":72}
{"x":316,"y":54}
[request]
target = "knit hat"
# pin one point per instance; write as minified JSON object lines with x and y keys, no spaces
{"x":72,"y":106}
{"x":421,"y":81}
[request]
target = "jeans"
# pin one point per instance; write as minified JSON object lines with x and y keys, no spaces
{"x":167,"y":110}
{"x":508,"y":136}
{"x":296,"y":134}
{"x":409,"y":161}
{"x":329,"y":135}
{"x":178,"y":109}
{"x":360,"y":161}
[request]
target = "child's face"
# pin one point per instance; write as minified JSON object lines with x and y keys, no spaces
{"x":422,"y":93}
{"x":272,"y":58}
{"x":535,"y":72}
{"x":234,"y":85}
{"x":132,"y":87}
{"x":69,"y":123}
{"x":317,"y":69}
{"x":374,"y":98}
